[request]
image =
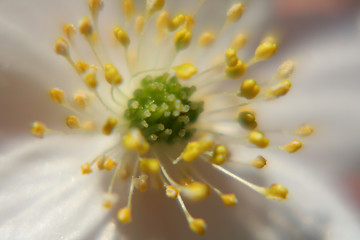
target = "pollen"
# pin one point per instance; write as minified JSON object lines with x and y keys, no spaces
{"x":170,"y":111}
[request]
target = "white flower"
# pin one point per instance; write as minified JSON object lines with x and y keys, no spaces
{"x":44,"y":196}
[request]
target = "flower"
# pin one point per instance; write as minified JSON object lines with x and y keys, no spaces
{"x":138,"y":140}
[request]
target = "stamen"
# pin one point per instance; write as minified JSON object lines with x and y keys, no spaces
{"x":182,"y":39}
{"x":110,"y":164}
{"x":239,"y":41}
{"x":286,"y":69}
{"x":135,"y":141}
{"x":86,"y":168}
{"x":246,"y":118}
{"x":220,"y":155}
{"x":124,"y":215}
{"x":249,"y":89}
{"x":57,"y":95}
{"x":235,"y":12}
{"x":69,"y":31}
{"x":149,"y":165}
{"x":229,"y":199}
{"x":139,"y":24}
{"x":275,"y":191}
{"x":176,"y":22}
{"x":112,"y":75}
{"x":194,"y":191}
{"x":91,"y":80}
{"x":206,"y":39}
{"x":185,"y":71}
{"x":122,"y":36}
{"x":280,"y":89}
{"x":259,"y":162}
{"x":85,"y":27}
{"x":109,"y":200}
{"x":38,"y":129}
{"x":141,"y":182}
{"x":153,"y":6}
{"x":172,"y":192}
{"x":62,"y":47}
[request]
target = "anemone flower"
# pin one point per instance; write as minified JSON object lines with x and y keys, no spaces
{"x":156,"y":120}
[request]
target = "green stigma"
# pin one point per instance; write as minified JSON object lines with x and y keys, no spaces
{"x":161,"y":109}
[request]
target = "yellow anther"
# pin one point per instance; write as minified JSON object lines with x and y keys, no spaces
{"x":109,"y":126}
{"x":38,"y":129}
{"x":191,"y":152}
{"x":139,"y":24}
{"x":85,"y":26}
{"x":195,"y":191}
{"x":110,"y":164}
{"x":124,"y":215}
{"x":286,"y":69}
{"x":239,"y":41}
{"x":276,"y":191}
{"x":236,"y":71}
{"x":176,"y":22}
{"x":292,"y":147}
{"x":246,"y":119}
{"x":162,"y":21}
{"x":109,"y":200}
{"x":149,"y":165}
{"x":62,"y":47}
{"x":185,"y":70}
{"x":249,"y":89}
{"x":90,"y":80}
{"x":112,"y":75}
{"x":82,"y":67}
{"x":258,"y":139}
{"x":229,"y":199}
{"x":69,"y":31}
{"x":171,"y":191}
{"x":122,"y":36}
{"x":100,"y":161}
{"x":95,"y":6}
{"x":128,"y":8}
{"x":206,"y":39}
{"x":220,"y":155}
{"x":235,"y":12}
{"x":141,"y":183}
{"x":153,"y":6}
{"x":57,"y":95}
{"x":81,"y":100}
{"x":86,"y":168}
{"x":134,"y":140}
{"x":206,"y":143}
{"x":189,"y":22}
{"x":182,"y":39}
{"x":72,"y":122}
{"x":305,"y":130}
{"x":230,"y":57}
{"x":197,"y":225}
{"x":279,"y":89}
{"x":265,"y":51}
{"x":259,"y":162}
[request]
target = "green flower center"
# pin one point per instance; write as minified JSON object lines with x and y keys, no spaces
{"x":162,"y":110}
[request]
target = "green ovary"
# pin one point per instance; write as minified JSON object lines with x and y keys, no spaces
{"x":162,"y":110}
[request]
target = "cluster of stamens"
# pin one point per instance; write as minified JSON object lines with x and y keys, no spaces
{"x":156,"y":112}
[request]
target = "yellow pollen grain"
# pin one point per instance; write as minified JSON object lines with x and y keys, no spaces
{"x":249,"y":89}
{"x":72,"y":122}
{"x":38,"y":129}
{"x":69,"y":31}
{"x":129,"y":9}
{"x":110,"y":164}
{"x":182,"y":39}
{"x":149,"y":165}
{"x":139,"y":24}
{"x":259,"y":162}
{"x":81,"y":100}
{"x":265,"y":51}
{"x":121,"y":36}
{"x":276,"y":191}
{"x":229,"y":199}
{"x":112,"y":75}
{"x":220,"y":155}
{"x":280,"y":89}
{"x":258,"y":139}
{"x":235,"y":12}
{"x":189,"y":23}
{"x":85,"y":26}
{"x":191,"y":152}
{"x":198,"y":226}
{"x":171,"y":191}
{"x":237,"y":71}
{"x":100,"y":161}
{"x":286,"y":69}
{"x":62,"y":47}
{"x":57,"y":95}
{"x":239,"y":41}
{"x":195,"y":191}
{"x":90,"y":80}
{"x":293,"y":146}
{"x":206,"y":39}
{"x":176,"y":22}
{"x":185,"y":70}
{"x":109,"y":126}
{"x":304,"y":130}
{"x":86,"y":168}
{"x":82,"y":67}
{"x":124,"y":215}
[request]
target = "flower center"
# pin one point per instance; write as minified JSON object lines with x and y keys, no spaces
{"x":162,"y":110}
